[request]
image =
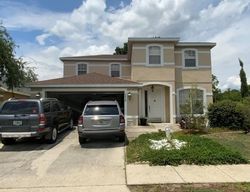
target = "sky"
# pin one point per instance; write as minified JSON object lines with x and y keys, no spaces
{"x":45,"y":30}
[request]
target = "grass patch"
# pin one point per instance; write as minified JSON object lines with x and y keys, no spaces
{"x":218,"y":187}
{"x":234,"y":140}
{"x":199,"y":151}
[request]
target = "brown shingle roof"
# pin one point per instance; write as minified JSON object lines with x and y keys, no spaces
{"x":88,"y":79}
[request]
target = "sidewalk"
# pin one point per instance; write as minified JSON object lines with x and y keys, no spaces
{"x":139,"y":174}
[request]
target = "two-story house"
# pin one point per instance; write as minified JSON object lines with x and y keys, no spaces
{"x":154,"y":80}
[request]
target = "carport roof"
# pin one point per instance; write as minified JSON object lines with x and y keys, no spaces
{"x":87,"y":80}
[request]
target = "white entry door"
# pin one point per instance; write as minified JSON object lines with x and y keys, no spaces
{"x":155,"y":104}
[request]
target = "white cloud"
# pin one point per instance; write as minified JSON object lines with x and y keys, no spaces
{"x":93,"y":29}
{"x":41,"y":38}
{"x":232,"y":82}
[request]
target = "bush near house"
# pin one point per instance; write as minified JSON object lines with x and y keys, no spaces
{"x":199,"y":150}
{"x":230,"y":114}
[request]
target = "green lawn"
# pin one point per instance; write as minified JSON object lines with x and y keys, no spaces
{"x":227,"y":187}
{"x":199,"y":150}
{"x":234,"y":140}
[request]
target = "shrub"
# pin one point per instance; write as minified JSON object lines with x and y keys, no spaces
{"x":244,"y":109}
{"x":193,"y":122}
{"x":226,"y":114}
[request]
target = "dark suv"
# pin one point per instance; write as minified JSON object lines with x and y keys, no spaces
{"x":41,"y":118}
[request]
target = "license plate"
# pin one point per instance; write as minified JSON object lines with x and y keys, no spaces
{"x":17,"y":123}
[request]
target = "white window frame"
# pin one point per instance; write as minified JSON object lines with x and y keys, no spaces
{"x":87,"y":67}
{"x":147,"y":55}
{"x":120,"y":68}
{"x":196,"y":58}
{"x":190,"y":87}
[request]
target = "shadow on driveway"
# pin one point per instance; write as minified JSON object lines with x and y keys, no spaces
{"x":105,"y":142}
{"x":31,"y":144}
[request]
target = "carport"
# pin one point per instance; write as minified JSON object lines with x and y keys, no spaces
{"x":76,"y":91}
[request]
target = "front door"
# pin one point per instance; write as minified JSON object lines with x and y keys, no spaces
{"x":155,"y":104}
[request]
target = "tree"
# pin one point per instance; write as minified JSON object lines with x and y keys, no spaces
{"x":14,"y":72}
{"x":243,"y":80}
{"x":215,"y":89}
{"x":121,"y":51}
{"x":230,"y":94}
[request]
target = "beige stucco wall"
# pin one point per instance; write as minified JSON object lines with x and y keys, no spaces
{"x":201,"y":75}
{"x":168,"y":56}
{"x":133,"y":107}
{"x":102,"y":67}
{"x":204,"y":56}
{"x":143,"y":73}
{"x":138,"y":56}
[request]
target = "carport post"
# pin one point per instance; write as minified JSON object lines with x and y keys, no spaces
{"x":125,"y":106}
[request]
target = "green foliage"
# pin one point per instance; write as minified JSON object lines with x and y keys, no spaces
{"x":243,"y":80}
{"x":121,"y":51}
{"x":215,"y":89}
{"x":233,"y":95}
{"x":13,"y":71}
{"x":225,"y":114}
{"x":195,"y":123}
{"x":199,"y":150}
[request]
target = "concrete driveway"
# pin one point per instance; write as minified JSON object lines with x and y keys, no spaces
{"x":65,"y":166}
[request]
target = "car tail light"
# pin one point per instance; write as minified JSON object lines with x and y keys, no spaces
{"x":42,"y":119}
{"x":80,"y":120}
{"x":122,"y":119}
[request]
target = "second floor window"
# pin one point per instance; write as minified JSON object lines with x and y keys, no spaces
{"x":154,"y":55}
{"x":190,"y":58}
{"x":81,"y":69}
{"x":115,"y":70}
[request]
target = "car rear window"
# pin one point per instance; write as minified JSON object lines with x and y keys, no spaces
{"x":20,"y":107}
{"x":101,"y":110}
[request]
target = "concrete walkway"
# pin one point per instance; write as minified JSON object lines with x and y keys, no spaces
{"x":134,"y":131}
{"x":139,"y":174}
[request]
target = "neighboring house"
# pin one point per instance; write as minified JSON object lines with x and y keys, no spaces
{"x":6,"y":94}
{"x":153,"y":80}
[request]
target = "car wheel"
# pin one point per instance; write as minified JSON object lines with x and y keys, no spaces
{"x":8,"y":141}
{"x":82,"y":140}
{"x":53,"y":135}
{"x":71,"y":124}
{"x":121,"y":138}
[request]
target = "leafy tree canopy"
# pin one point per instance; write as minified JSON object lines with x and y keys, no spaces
{"x":215,"y":88}
{"x":14,"y":72}
{"x":121,"y":50}
{"x":230,"y":94}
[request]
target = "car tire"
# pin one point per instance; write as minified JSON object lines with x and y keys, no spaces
{"x":82,"y":140}
{"x":71,"y":124}
{"x":121,"y":138}
{"x":8,"y":141}
{"x":52,"y":137}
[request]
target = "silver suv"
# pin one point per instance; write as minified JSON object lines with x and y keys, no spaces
{"x":101,"y":118}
